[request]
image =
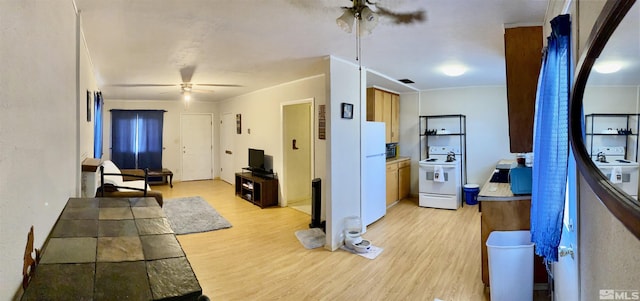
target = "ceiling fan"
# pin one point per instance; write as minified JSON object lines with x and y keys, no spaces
{"x":368,"y":18}
{"x":186,"y":86}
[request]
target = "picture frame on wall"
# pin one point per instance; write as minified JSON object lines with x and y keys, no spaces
{"x":89,"y":105}
{"x":347,"y":110}
{"x":238,"y":124}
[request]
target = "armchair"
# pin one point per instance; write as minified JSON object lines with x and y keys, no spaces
{"x":126,"y":183}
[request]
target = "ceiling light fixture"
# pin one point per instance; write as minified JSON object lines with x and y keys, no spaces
{"x":345,"y":22}
{"x":186,"y":91}
{"x":368,"y":21}
{"x":607,"y":67}
{"x":366,"y":18}
{"x":453,"y":70}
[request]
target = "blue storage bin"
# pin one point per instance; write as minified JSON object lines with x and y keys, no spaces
{"x":471,"y":193}
{"x":521,"y":180}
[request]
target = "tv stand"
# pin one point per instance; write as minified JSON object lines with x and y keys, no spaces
{"x":261,"y":191}
{"x":259,"y":173}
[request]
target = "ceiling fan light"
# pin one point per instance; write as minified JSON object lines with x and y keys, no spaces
{"x":368,"y":21}
{"x":345,"y":22}
{"x":186,"y":95}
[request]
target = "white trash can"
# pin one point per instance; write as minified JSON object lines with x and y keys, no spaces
{"x":510,"y":265}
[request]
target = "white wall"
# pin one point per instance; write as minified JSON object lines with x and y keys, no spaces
{"x":171,"y":155}
{"x":261,"y":123}
{"x":343,"y":158}
{"x":39,"y":131}
{"x":609,"y":255}
{"x":87,"y":83}
{"x":611,"y":99}
{"x":487,"y":124}
{"x":409,"y":142}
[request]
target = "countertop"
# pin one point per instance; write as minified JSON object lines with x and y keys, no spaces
{"x":499,"y":191}
{"x":397,"y":159}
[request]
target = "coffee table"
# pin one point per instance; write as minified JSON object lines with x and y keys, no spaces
{"x":164,"y":173}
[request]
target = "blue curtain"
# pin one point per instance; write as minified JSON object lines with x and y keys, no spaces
{"x":150,"y":139}
{"x":551,"y":141}
{"x":123,"y":138}
{"x":136,"y":138}
{"x":97,"y":125}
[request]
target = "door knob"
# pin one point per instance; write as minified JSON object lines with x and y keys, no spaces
{"x":228,"y":152}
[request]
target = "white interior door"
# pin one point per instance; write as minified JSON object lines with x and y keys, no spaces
{"x":196,"y":132}
{"x":227,"y":130}
{"x":566,"y":282}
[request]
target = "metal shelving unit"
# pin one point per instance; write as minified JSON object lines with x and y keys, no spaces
{"x":428,"y":126}
{"x":625,"y":127}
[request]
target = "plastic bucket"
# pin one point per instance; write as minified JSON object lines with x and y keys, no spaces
{"x":510,"y":265}
{"x":471,"y":193}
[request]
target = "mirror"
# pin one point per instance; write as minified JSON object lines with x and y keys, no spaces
{"x":611,"y":106}
{"x":607,"y":92}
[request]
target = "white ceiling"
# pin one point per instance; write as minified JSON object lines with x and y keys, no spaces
{"x":258,"y":44}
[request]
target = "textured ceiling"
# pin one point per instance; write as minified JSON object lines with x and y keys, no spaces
{"x":257,"y":44}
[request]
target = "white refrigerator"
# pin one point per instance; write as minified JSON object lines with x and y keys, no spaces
{"x":373,"y":178}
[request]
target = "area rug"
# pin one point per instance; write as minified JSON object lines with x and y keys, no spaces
{"x":193,"y":215}
{"x":311,"y":238}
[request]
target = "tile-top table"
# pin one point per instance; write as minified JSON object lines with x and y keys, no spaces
{"x":113,"y":249}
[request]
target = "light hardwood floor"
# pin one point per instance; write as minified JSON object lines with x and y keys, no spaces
{"x":428,"y":254}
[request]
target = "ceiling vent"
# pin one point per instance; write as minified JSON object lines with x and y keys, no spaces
{"x":406,"y":81}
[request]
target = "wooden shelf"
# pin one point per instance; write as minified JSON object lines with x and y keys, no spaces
{"x":260,"y":191}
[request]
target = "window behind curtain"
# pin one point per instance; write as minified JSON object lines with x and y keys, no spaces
{"x":136,"y":138}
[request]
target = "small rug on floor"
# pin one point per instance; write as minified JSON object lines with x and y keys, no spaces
{"x":311,"y":238}
{"x":372,"y":254}
{"x":193,"y":215}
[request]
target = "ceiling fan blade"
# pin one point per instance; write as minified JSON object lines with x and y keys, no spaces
{"x":202,"y":91}
{"x":218,"y":85}
{"x":143,"y":85}
{"x":187,"y":73}
{"x":402,"y":18}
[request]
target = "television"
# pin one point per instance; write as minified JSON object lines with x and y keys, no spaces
{"x":256,"y":159}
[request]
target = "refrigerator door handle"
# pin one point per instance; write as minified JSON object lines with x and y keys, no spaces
{"x":376,"y":155}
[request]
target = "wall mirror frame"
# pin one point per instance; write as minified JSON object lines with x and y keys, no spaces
{"x":625,"y":208}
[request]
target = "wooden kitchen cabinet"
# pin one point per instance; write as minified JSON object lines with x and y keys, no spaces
{"x":392,"y":182}
{"x":395,"y":118}
{"x":398,"y":180}
{"x":523,"y":58}
{"x":384,"y":106}
{"x":404,"y":179}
